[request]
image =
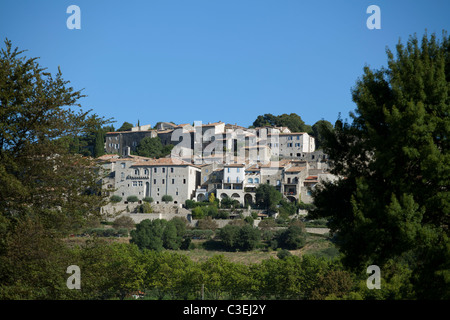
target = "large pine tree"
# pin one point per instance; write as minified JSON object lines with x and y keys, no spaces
{"x":393,"y":201}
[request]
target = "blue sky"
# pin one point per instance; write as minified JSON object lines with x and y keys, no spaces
{"x":211,"y":60}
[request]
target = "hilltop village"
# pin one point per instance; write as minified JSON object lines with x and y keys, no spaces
{"x":241,"y":160}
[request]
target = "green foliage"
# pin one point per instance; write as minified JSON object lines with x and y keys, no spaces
{"x":167,"y":198}
{"x":293,"y":121}
{"x":132,"y":199}
{"x":292,"y":238}
{"x":145,"y":207}
{"x":320,"y":130}
{"x":126,"y":126}
{"x":267,"y":197}
{"x":148,"y":199}
{"x":115,"y":198}
{"x":123,"y":222}
{"x":395,"y":156}
{"x":157,"y":234}
{"x":197,"y":213}
{"x":40,"y":116}
{"x":207,"y":223}
{"x":282,"y":254}
{"x":244,"y":237}
{"x":153,"y":148}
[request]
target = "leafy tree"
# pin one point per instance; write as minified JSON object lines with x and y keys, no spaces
{"x":126,"y":126}
{"x":153,"y":148}
{"x":197,"y":213}
{"x":248,"y":238}
{"x":40,"y":176}
{"x":320,"y":129}
{"x":123,"y":222}
{"x":267,"y":197}
{"x":395,"y":199}
{"x":157,"y":234}
{"x":292,"y":238}
{"x":293,"y":121}
{"x":229,"y":235}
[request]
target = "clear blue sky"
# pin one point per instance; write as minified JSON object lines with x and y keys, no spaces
{"x":211,"y":60}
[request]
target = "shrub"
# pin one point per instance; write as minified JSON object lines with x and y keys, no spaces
{"x":207,"y":223}
{"x":189,"y":204}
{"x":197,"y":213}
{"x":167,"y":198}
{"x":115,"y":199}
{"x":123,"y":222}
{"x":148,"y":199}
{"x":292,"y":238}
{"x":283,"y":254}
{"x":144,"y":208}
{"x":132,"y":199}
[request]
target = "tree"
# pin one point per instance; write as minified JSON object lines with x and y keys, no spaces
{"x":293,"y":121}
{"x":99,"y":147}
{"x":39,"y":174}
{"x":123,"y":222}
{"x":319,"y":129}
{"x":248,"y":238}
{"x":126,"y":126}
{"x":394,"y":200}
{"x":267,"y":197}
{"x":229,"y":235}
{"x":153,"y":148}
{"x":292,"y":238}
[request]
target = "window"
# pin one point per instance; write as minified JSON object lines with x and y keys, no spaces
{"x":206,"y":170}
{"x":173,"y":181}
{"x":268,"y":181}
{"x":237,"y":169}
{"x":163,"y":181}
{"x":289,"y":144}
{"x":184,"y":181}
{"x":140,"y":184}
{"x":136,"y":171}
{"x":146,"y":172}
{"x":154,"y":181}
{"x":171,"y":170}
{"x":237,"y":179}
{"x":290,"y":138}
{"x":204,"y":179}
{"x":297,"y":144}
{"x":134,"y":183}
{"x":155,"y":170}
{"x":228,"y":170}
{"x":122,"y":165}
{"x":228,"y":179}
{"x":256,"y":180}
{"x":163,"y":170}
{"x":298,"y":137}
{"x":250,"y":180}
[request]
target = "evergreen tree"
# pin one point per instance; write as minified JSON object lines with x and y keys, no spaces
{"x":394,"y":201}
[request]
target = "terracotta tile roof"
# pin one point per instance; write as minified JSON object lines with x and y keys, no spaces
{"x":286,"y":134}
{"x":234,"y":165}
{"x":162,"y":162}
{"x":295,"y":169}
